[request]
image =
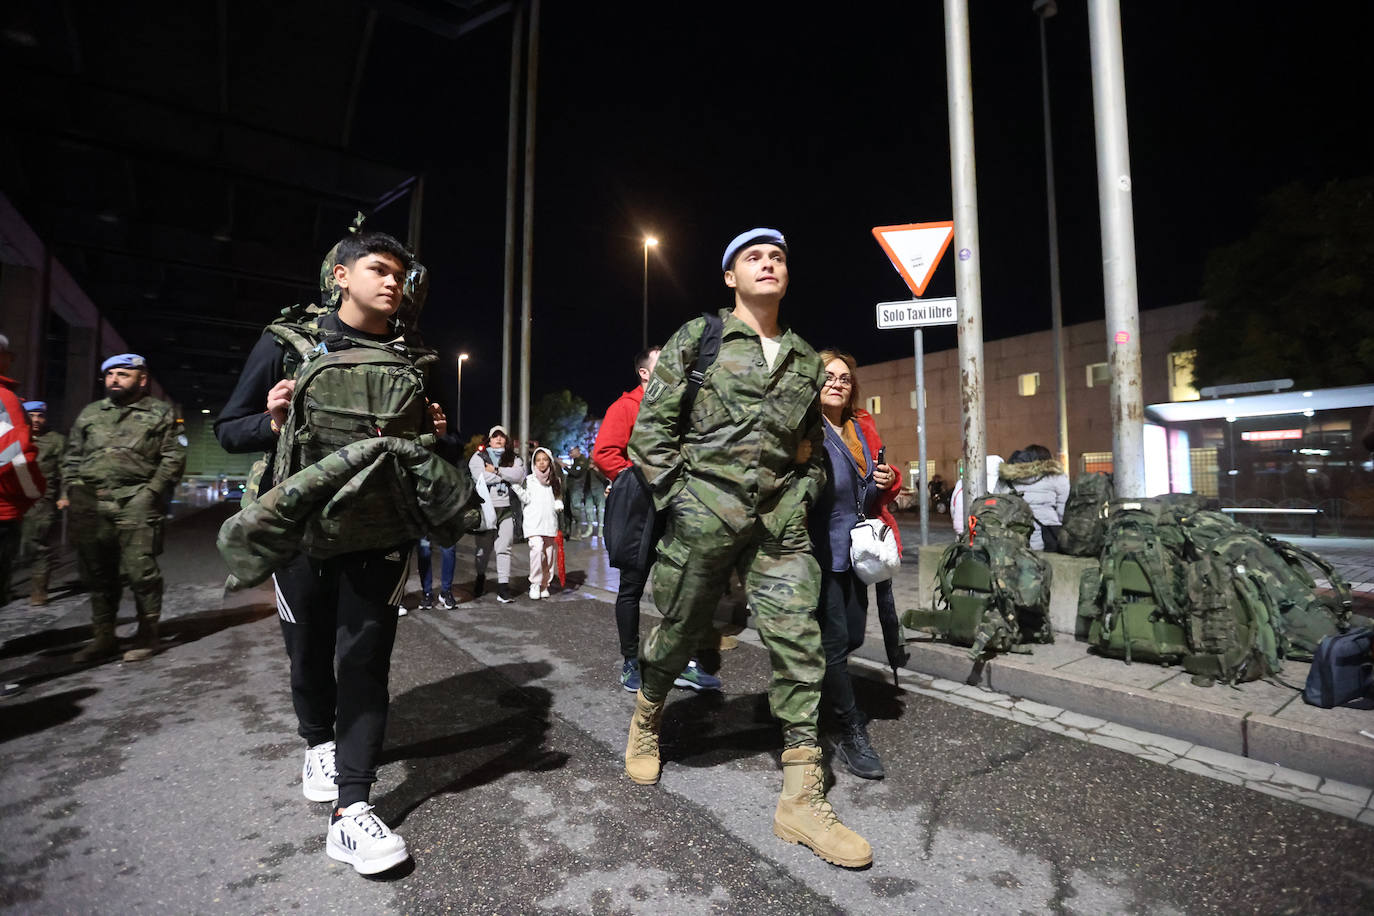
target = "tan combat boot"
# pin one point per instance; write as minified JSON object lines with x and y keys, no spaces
{"x":804,"y":814}
{"x":145,"y":643}
{"x":641,"y":751}
{"x":102,"y":646}
{"x":38,"y":596}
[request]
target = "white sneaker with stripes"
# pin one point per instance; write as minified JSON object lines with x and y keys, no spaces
{"x":360,"y":838}
{"x":318,"y":773}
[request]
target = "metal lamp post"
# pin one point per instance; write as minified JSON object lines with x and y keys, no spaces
{"x":1044,"y":9}
{"x":458,"y":415}
{"x":649,"y":242}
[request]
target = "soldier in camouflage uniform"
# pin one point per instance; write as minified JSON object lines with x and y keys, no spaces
{"x":38,"y":521}
{"x":735,"y":479}
{"x":123,"y":457}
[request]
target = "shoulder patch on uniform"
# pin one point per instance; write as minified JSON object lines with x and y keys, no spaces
{"x":655,"y":390}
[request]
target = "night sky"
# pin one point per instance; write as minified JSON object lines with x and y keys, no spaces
{"x":693,"y":122}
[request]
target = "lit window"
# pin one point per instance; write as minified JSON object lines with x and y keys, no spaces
{"x":1097,"y":462}
{"x":1028,"y":384}
{"x":1181,"y":376}
{"x":875,"y":405}
{"x":1098,"y":375}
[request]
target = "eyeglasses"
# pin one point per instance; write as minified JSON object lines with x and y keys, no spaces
{"x":839,"y":381}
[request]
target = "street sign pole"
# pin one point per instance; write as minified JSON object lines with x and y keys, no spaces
{"x":920,"y":348}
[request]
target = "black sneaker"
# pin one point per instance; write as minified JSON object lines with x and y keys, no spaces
{"x":446,"y":601}
{"x":426,"y":601}
{"x":503,"y":594}
{"x":856,"y":754}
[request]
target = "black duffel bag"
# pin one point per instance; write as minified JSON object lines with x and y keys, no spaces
{"x":632,"y":526}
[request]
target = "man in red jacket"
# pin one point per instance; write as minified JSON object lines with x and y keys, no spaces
{"x":21,"y":483}
{"x":610,"y":454}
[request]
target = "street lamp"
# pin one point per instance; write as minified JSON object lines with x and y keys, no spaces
{"x":458,"y":416}
{"x":1043,"y":10}
{"x":649,"y":242}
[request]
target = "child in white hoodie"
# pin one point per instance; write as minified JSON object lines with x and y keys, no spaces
{"x":541,"y":495}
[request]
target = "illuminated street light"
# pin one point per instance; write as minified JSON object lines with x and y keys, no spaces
{"x":458,"y":415}
{"x":649,"y":242}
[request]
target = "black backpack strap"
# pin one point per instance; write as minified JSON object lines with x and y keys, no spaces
{"x":708,"y":348}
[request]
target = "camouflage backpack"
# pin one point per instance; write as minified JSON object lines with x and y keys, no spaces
{"x":1085,"y":515}
{"x":1132,"y":604}
{"x":1231,"y":630}
{"x":992,"y":593}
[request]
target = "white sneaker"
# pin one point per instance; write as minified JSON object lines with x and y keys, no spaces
{"x":543,"y":593}
{"x":534,"y":592}
{"x":318,"y":774}
{"x":360,"y":838}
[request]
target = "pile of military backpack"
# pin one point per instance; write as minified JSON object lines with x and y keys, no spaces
{"x":992,"y":592}
{"x":1178,"y":584}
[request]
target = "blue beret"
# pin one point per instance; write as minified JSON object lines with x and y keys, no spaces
{"x":35,"y":407}
{"x":124,"y":361}
{"x":772,"y":236}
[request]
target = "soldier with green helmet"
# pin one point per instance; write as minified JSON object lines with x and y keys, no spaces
{"x":123,"y":458}
{"x":735,"y":478}
{"x":38,"y":521}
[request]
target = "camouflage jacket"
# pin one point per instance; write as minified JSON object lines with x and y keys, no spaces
{"x":120,"y":450}
{"x":315,"y":510}
{"x":50,"y":445}
{"x":738,"y":450}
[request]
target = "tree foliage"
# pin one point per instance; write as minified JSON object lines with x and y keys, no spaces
{"x":1294,"y":299}
{"x":559,"y":421}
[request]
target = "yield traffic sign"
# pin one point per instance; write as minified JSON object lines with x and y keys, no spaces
{"x":915,"y":249}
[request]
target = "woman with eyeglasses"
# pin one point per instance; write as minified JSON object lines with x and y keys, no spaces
{"x":857,"y":480}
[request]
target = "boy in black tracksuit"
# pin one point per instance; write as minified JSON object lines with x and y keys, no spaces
{"x":343,"y":607}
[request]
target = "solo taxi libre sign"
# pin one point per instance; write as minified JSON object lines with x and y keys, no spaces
{"x":917,"y":313}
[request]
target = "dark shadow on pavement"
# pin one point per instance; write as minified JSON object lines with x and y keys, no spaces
{"x":452,"y":727}
{"x":26,"y":717}
{"x":707,"y":729}
{"x":52,"y":650}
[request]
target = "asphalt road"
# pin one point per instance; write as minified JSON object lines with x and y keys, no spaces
{"x":173,"y":787}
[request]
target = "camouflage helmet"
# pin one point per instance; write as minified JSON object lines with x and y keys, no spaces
{"x":329,"y":289}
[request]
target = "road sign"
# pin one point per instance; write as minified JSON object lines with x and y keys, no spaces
{"x":915,"y":249}
{"x":918,"y":313}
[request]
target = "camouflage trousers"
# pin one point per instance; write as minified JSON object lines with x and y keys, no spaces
{"x":38,"y":527}
{"x":782,"y":581}
{"x":114,"y":539}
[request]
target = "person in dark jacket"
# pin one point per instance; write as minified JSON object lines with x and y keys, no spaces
{"x":855,"y":482}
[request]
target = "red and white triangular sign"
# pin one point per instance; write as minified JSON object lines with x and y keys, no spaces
{"x":915,"y":249}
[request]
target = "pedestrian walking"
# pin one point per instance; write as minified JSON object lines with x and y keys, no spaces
{"x":541,"y":499}
{"x":496,"y":467}
{"x":578,"y":476}
{"x":338,"y":613}
{"x":39,"y":521}
{"x":856,"y":480}
{"x":734,"y":480}
{"x":448,"y":559}
{"x":123,"y":459}
{"x":611,"y":457}
{"x":21,"y":482}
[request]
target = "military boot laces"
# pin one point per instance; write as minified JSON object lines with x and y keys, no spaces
{"x":805,"y":815}
{"x":641,"y":750}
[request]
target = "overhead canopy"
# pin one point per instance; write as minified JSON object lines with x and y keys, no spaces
{"x":1261,"y":405}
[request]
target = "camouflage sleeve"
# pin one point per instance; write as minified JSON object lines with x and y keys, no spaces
{"x":656,"y":443}
{"x":71,"y":454}
{"x":171,"y":458}
{"x":812,"y":479}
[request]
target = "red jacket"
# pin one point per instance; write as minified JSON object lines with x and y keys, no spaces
{"x":875,"y":442}
{"x":21,"y":483}
{"x":611,"y":452}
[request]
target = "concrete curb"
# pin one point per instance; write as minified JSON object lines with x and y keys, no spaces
{"x":1294,"y":745}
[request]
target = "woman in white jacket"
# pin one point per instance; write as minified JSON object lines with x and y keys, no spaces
{"x":1036,"y":477}
{"x":542,"y":498}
